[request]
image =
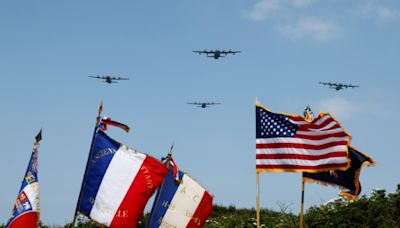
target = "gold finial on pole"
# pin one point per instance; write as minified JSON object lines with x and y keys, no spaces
{"x":100,"y":110}
{"x":308,"y":114}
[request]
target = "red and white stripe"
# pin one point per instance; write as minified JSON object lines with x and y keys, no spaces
{"x":130,"y":180}
{"x":318,"y":145}
{"x":189,"y":207}
{"x":30,"y":218}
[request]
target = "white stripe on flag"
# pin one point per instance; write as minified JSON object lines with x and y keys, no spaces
{"x":184,"y":203}
{"x":325,"y":132}
{"x":299,"y":122}
{"x":301,"y":141}
{"x":301,"y":151}
{"x":328,"y":126}
{"x":119,"y":176}
{"x":32,"y":194}
{"x":322,"y":119}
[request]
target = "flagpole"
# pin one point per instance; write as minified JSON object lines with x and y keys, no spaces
{"x":302,"y":202}
{"x":258,"y":198}
{"x":308,"y":115}
{"x":257,"y":188}
{"x":100,"y":109}
{"x":157,"y":199}
{"x":35,"y":150}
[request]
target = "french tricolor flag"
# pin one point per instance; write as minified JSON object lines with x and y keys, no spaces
{"x":183,"y":203}
{"x":118,"y":183}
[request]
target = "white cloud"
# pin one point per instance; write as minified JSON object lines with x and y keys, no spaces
{"x":293,"y":25}
{"x":264,"y":9}
{"x":385,"y":14}
{"x":301,"y":2}
{"x":365,"y":9}
{"x":382,"y":14}
{"x":314,"y":28}
{"x":343,"y":109}
{"x":340,"y":108}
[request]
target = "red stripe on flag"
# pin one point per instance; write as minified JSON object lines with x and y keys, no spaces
{"x":317,"y":118}
{"x":301,"y":156}
{"x":331,"y":128}
{"x":319,"y":126}
{"x":202,"y":212}
{"x":298,"y":118}
{"x":147,"y":180}
{"x":301,"y":146}
{"x":320,"y":137}
{"x":325,"y":123}
{"x":303,"y":167}
{"x":26,"y":220}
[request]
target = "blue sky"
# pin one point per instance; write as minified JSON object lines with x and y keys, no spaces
{"x":48,"y":48}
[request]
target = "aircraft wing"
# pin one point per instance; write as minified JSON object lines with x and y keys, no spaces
{"x":229,"y":52}
{"x":203,"y":52}
{"x":119,"y":78}
{"x":194,"y":103}
{"x":327,"y":83}
{"x":99,"y":77}
{"x":351,"y":86}
{"x":212,"y":103}
{"x":233,"y":52}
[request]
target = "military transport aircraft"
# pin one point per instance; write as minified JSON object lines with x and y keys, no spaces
{"x":338,"y":86}
{"x":109,"y":79}
{"x":203,"y":104}
{"x":216,"y":53}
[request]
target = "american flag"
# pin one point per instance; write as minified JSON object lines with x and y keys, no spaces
{"x":289,"y":143}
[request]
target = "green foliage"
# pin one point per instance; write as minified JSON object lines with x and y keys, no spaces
{"x":246,"y":218}
{"x":379,"y":210}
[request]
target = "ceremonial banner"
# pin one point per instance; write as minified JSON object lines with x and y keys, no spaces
{"x":290,"y":143}
{"x":27,"y":208}
{"x":180,"y":203}
{"x":119,"y":183}
{"x":106,"y":121}
{"x":348,"y":179}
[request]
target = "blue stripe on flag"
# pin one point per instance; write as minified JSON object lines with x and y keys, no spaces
{"x":104,"y":150}
{"x":32,"y":170}
{"x":164,"y":196}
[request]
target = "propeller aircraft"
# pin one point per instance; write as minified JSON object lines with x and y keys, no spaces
{"x":203,"y":104}
{"x":217,"y":53}
{"x":338,"y":86}
{"x":109,"y":79}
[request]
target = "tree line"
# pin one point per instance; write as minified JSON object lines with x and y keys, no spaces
{"x":380,"y":209}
